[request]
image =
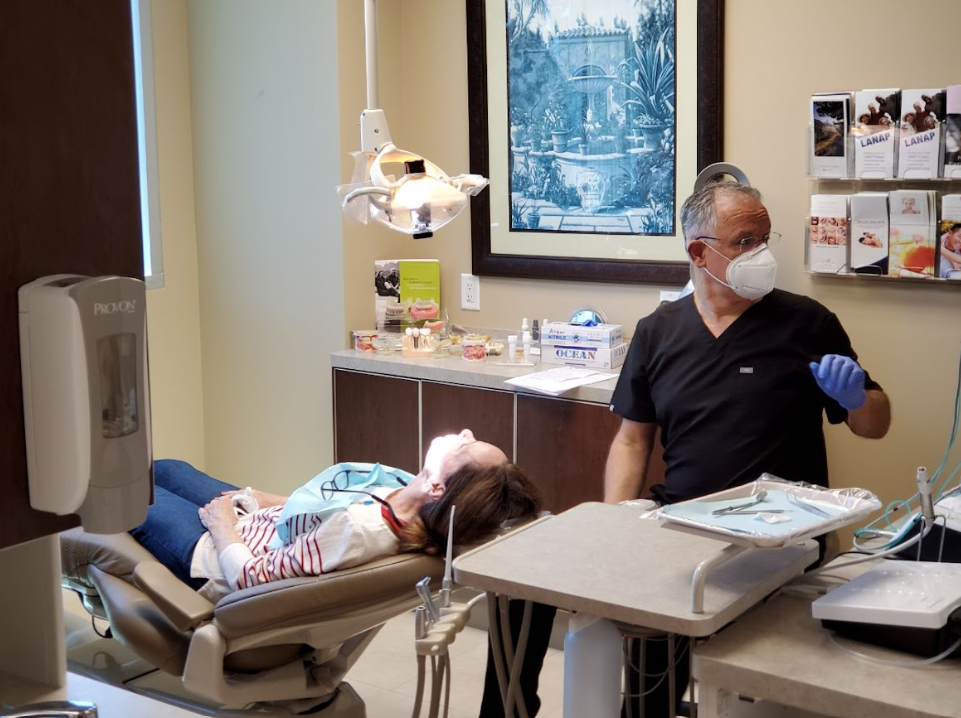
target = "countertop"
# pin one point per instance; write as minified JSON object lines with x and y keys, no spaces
{"x":489,"y":374}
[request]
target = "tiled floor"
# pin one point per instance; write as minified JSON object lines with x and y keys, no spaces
{"x":385,"y":675}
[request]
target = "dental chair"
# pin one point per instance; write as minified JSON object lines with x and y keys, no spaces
{"x":285,"y":644}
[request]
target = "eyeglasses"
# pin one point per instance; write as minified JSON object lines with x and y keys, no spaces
{"x":749,"y":244}
{"x":340,"y":482}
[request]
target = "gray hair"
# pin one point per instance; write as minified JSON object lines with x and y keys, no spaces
{"x":698,"y":213}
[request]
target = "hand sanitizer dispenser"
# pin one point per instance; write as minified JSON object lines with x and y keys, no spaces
{"x":86,"y":408}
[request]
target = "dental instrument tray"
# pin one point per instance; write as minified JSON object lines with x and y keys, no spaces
{"x":769,"y":512}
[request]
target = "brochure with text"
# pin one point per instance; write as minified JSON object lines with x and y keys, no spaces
{"x":869,"y":233}
{"x":919,"y":146}
{"x":828,"y":236}
{"x":876,"y":114}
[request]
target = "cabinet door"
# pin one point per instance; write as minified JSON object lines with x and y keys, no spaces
{"x":563,"y":446}
{"x":488,"y":413}
{"x":375,"y":419}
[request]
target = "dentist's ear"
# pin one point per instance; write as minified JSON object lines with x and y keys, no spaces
{"x":696,"y":251}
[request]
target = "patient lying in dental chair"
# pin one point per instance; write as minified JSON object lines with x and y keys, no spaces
{"x":219,"y":538}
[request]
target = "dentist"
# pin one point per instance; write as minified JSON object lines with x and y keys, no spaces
{"x":737,"y":376}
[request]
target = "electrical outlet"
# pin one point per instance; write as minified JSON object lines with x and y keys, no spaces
{"x":470,"y":292}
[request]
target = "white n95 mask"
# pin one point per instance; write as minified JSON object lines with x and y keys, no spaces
{"x":749,"y":275}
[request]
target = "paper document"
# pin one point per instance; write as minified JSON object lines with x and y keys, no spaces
{"x":556,"y":381}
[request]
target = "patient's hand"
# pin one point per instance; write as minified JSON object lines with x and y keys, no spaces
{"x":264,"y":500}
{"x":219,"y":518}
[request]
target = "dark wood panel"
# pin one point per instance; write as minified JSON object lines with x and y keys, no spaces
{"x":375,"y":419}
{"x":563,"y":445}
{"x":448,"y":408}
{"x":69,"y":198}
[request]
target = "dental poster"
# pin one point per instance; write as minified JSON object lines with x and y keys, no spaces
{"x":406,"y":291}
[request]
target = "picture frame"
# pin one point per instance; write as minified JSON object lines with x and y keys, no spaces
{"x":487,"y":80}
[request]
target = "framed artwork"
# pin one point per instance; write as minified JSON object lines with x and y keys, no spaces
{"x":592,"y":119}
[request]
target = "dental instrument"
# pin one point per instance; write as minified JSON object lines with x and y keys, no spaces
{"x":756,"y":511}
{"x":448,"y":582}
{"x":434,"y":631}
{"x":738,"y":508}
{"x":810,"y":508}
{"x":423,"y":590}
{"x":924,"y":492}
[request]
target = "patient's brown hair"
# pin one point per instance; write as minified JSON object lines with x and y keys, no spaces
{"x":485,"y":497}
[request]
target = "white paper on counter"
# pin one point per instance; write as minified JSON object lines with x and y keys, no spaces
{"x":556,"y":381}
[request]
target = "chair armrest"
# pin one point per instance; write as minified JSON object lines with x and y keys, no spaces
{"x":183,"y":606}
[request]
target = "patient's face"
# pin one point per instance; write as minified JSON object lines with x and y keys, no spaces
{"x":449,"y":453}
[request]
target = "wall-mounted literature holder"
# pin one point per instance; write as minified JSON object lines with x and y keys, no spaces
{"x":885,"y":170}
{"x":890,"y":230}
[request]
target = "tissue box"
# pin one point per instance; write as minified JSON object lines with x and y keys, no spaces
{"x":602,"y":335}
{"x":595,"y":357}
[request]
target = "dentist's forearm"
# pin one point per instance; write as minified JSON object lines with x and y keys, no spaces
{"x":873,"y":418}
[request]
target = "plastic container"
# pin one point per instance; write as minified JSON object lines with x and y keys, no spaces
{"x":592,"y":667}
{"x":364,"y":339}
{"x":474,"y":349}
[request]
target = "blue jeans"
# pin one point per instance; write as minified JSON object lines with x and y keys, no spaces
{"x":173,"y":526}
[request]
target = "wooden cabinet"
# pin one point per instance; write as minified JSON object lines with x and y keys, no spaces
{"x":376,"y":419}
{"x":563,"y":446}
{"x":448,"y":408}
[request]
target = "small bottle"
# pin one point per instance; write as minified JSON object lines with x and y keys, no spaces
{"x":511,"y":348}
{"x":527,"y":347}
{"x":536,"y":340}
{"x":524,"y":327}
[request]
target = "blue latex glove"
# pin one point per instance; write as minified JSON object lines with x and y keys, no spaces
{"x":842,"y":379}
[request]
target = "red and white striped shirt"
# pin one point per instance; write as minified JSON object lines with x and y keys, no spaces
{"x":359,"y":534}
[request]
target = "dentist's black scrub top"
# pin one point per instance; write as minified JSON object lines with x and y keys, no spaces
{"x":735,"y":406}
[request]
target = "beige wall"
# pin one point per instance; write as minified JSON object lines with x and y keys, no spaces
{"x":263,"y":77}
{"x":173,"y":313}
{"x":777,"y":53}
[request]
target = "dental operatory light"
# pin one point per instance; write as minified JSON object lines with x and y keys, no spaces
{"x":397,"y":188}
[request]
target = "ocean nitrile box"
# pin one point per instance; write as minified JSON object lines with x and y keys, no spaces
{"x":596,"y":357}
{"x":406,"y":291}
{"x":600,"y":335}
